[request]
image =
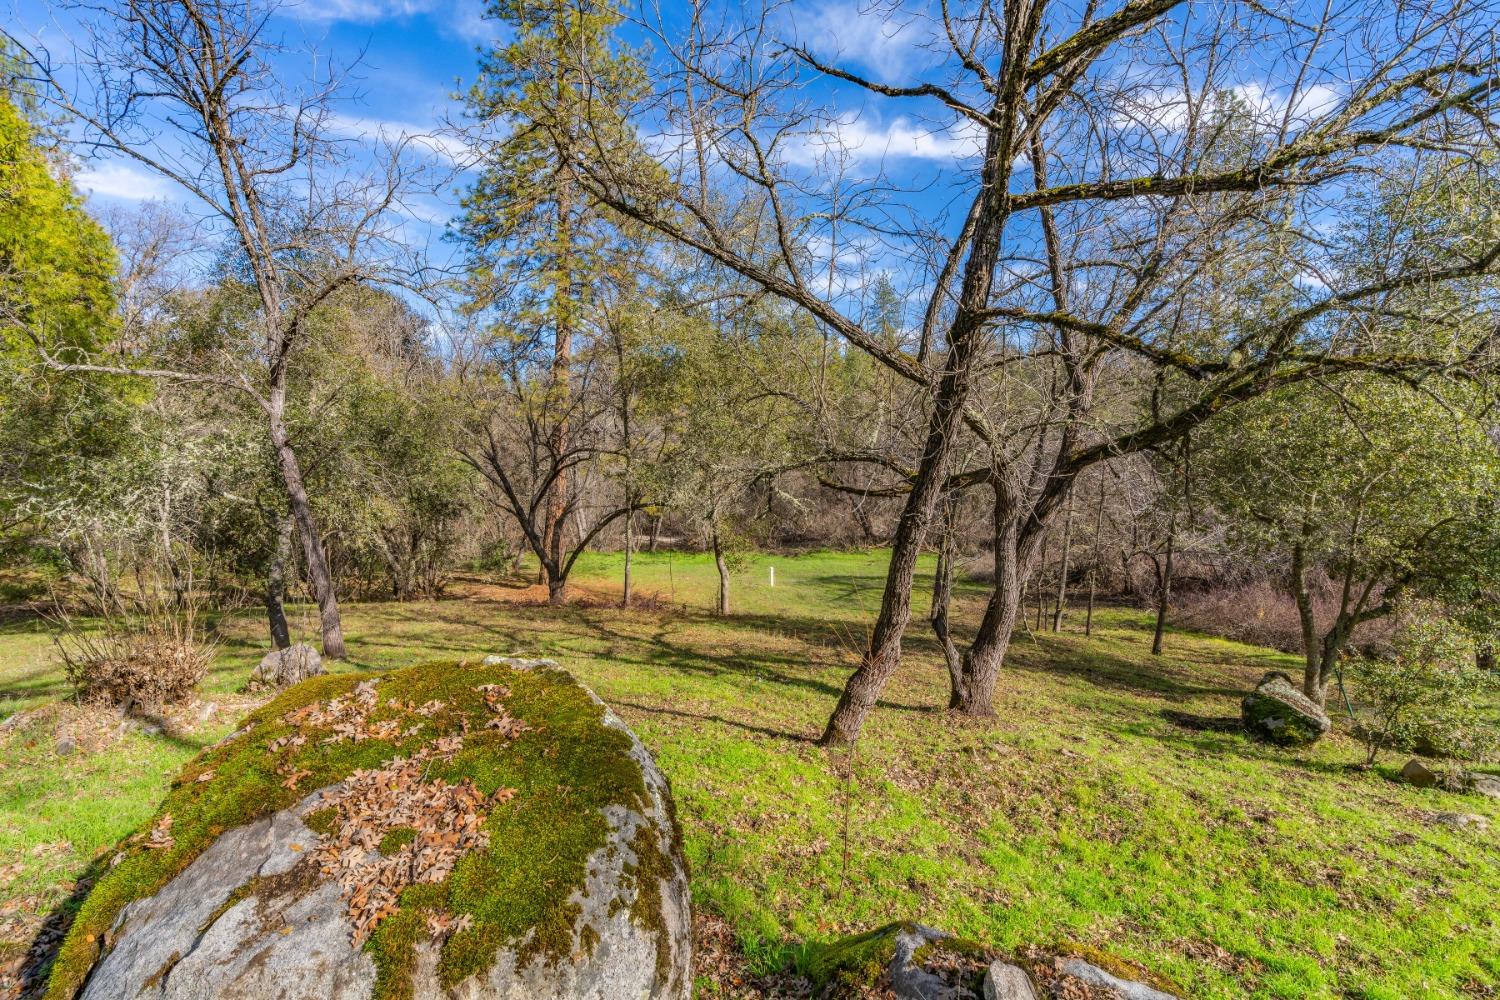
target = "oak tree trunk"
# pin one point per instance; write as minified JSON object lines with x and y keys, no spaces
{"x":319,"y":576}
{"x":281,"y":557}
{"x":723,"y":568}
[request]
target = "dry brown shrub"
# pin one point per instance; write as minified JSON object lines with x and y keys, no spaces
{"x":144,"y":662}
{"x":1261,"y":613}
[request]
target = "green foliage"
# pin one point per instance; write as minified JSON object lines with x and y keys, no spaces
{"x":1427,"y":691}
{"x":56,"y":272}
{"x":1388,"y":485}
{"x":526,"y":222}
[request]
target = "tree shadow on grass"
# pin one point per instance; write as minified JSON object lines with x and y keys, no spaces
{"x":677,"y":713}
{"x":1163,"y":678}
{"x":1227,"y":742}
{"x":41,"y":953}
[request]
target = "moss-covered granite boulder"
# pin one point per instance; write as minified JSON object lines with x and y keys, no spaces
{"x":456,"y":830}
{"x":1279,"y":713}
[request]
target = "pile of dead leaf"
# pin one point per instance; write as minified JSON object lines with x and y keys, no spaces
{"x":441,"y":821}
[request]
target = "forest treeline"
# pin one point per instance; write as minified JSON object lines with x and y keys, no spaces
{"x":1152,"y":333}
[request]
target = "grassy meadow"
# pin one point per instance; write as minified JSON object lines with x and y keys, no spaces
{"x":1107,"y":805}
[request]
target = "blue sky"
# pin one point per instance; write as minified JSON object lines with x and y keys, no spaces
{"x":413,"y":56}
{"x":409,"y":58}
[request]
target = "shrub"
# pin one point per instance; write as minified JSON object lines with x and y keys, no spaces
{"x":1427,"y":692}
{"x":1261,"y":612}
{"x":140,"y":663}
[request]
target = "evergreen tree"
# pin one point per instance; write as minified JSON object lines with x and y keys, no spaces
{"x":539,"y":246}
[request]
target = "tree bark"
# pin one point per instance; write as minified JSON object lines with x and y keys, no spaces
{"x":1088,"y":621}
{"x":884,"y":653}
{"x":950,"y":393}
{"x":655,"y":532}
{"x":942,"y":599}
{"x":1297,"y":584}
{"x":629,"y":549}
{"x":319,"y":576}
{"x":1062,"y":579}
{"x":984,"y":658}
{"x":281,"y":556}
{"x":1164,"y":588}
{"x":723,"y":568}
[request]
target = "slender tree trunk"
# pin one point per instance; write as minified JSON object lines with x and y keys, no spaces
{"x":723,"y":568}
{"x":629,"y":550}
{"x":655,"y":532}
{"x":942,"y":599}
{"x":951,"y":390}
{"x":884,"y":653}
{"x":1164,"y":588}
{"x":1484,"y":656}
{"x":281,"y":557}
{"x":1062,"y":578}
{"x":986,"y":656}
{"x":1088,"y":622}
{"x":319,"y":576}
{"x":562,"y":390}
{"x":1041,"y":592}
{"x":1297,"y":584}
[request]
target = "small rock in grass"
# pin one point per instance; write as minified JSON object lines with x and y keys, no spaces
{"x":1003,"y":981}
{"x":1461,"y":821}
{"x":1483,"y":784}
{"x":1095,"y":976}
{"x":282,"y":668}
{"x":1278,"y":713}
{"x":67,"y":746}
{"x":207,"y":710}
{"x":516,"y":662}
{"x":1418,"y":774}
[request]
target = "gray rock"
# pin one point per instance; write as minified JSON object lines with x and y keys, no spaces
{"x":1484,"y":784}
{"x":284,"y":667}
{"x":290,"y":936}
{"x":516,"y":662}
{"x":1279,"y":713}
{"x":67,"y":746}
{"x":1095,"y":976}
{"x":1460,"y":821}
{"x":908,"y":979}
{"x":1003,"y":981}
{"x":1417,"y":773}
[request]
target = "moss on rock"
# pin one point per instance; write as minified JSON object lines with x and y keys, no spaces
{"x":853,"y":963}
{"x":565,"y":767}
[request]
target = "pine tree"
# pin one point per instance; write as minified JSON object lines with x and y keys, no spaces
{"x":538,"y":245}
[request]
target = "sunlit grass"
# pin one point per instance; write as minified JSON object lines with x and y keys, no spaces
{"x":1080,"y":813}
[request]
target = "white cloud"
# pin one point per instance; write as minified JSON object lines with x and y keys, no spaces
{"x":124,"y":181}
{"x":1169,"y":108}
{"x":861,"y":139}
{"x":432,"y":141}
{"x":465,"y":19}
{"x":873,"y":34}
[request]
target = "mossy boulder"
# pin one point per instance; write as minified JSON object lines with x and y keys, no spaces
{"x":907,"y":960}
{"x":458,"y":830}
{"x":1278,"y":713}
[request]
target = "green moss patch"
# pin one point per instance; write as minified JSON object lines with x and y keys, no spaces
{"x":853,"y":964}
{"x":564,"y":767}
{"x":396,"y":839}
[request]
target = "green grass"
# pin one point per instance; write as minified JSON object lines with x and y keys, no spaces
{"x":1080,"y":814}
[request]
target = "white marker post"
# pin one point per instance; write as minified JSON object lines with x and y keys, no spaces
{"x":773,"y":576}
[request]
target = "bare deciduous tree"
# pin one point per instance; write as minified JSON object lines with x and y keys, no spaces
{"x":1105,"y":161}
{"x":188,"y":89}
